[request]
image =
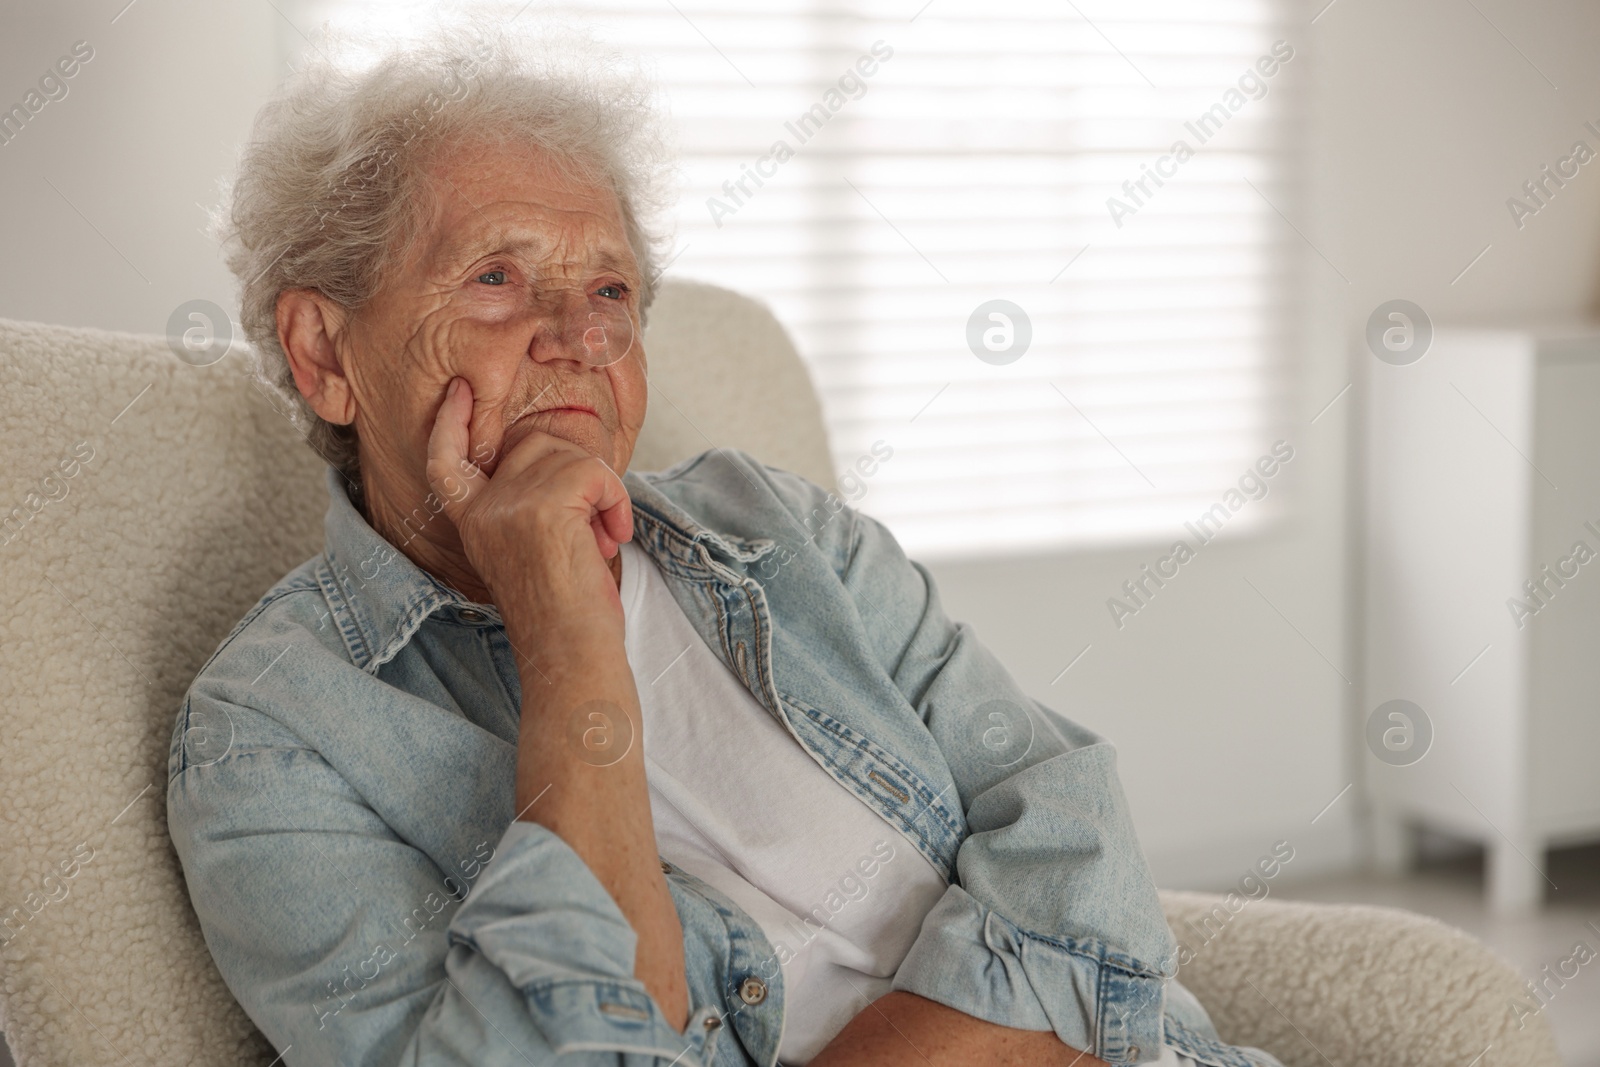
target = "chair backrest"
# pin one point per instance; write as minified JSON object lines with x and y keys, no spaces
{"x":145,"y":505}
{"x":724,"y":374}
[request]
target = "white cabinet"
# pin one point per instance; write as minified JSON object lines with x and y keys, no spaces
{"x":1482,"y":596}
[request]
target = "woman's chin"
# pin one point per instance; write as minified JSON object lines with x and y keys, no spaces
{"x":576,"y":427}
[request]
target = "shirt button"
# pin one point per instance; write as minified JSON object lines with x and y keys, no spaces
{"x":712,"y":1023}
{"x":752,"y":990}
{"x":666,"y":868}
{"x":472,"y":615}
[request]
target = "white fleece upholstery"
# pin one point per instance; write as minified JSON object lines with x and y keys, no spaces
{"x":1353,"y":985}
{"x":199,"y":496}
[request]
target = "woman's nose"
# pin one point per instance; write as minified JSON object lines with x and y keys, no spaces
{"x":575,"y":326}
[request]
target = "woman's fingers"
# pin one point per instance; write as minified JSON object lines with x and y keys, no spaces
{"x":447,"y":446}
{"x":613,"y":508}
{"x":534,"y":468}
{"x":608,"y":547}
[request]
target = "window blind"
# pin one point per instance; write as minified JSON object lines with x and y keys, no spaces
{"x":876,"y":170}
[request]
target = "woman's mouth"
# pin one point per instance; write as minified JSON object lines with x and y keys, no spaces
{"x":561,"y":409}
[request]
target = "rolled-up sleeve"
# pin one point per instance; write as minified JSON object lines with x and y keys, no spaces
{"x":1052,"y":921}
{"x":333,"y":933}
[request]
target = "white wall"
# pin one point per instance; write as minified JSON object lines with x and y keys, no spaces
{"x":138,"y":143}
{"x":1233,"y":728}
{"x":1430,"y":120}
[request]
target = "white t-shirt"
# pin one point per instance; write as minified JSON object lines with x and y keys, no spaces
{"x":740,"y":804}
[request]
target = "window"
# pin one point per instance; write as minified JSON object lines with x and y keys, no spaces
{"x":935,"y":160}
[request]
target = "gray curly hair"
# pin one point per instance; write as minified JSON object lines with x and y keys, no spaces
{"x":331,"y":189}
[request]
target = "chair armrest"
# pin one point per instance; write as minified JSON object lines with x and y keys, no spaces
{"x":1316,"y":984}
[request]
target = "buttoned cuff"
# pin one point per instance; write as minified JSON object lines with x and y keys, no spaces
{"x":590,"y":1016}
{"x":541,"y":916}
{"x":973,"y":959}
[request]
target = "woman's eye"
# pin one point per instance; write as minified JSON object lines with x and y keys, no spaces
{"x":612,"y":292}
{"x":493,"y":277}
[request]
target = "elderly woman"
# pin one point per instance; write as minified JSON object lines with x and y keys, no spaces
{"x":542,"y":757}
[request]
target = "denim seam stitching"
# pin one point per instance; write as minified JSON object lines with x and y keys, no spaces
{"x":266,"y":601}
{"x":1093,"y":950}
{"x":1189,"y":1043}
{"x":345,"y":612}
{"x":424,"y":603}
{"x":919,"y":790}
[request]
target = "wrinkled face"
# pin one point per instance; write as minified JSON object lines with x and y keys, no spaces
{"x":523,"y":283}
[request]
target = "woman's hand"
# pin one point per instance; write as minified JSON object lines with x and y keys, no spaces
{"x":539,"y":532}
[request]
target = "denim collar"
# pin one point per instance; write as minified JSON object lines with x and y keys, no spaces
{"x":380,"y":598}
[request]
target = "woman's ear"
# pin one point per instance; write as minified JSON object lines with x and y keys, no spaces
{"x":308,"y":325}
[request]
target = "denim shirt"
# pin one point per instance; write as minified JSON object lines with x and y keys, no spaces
{"x":341,"y":782}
